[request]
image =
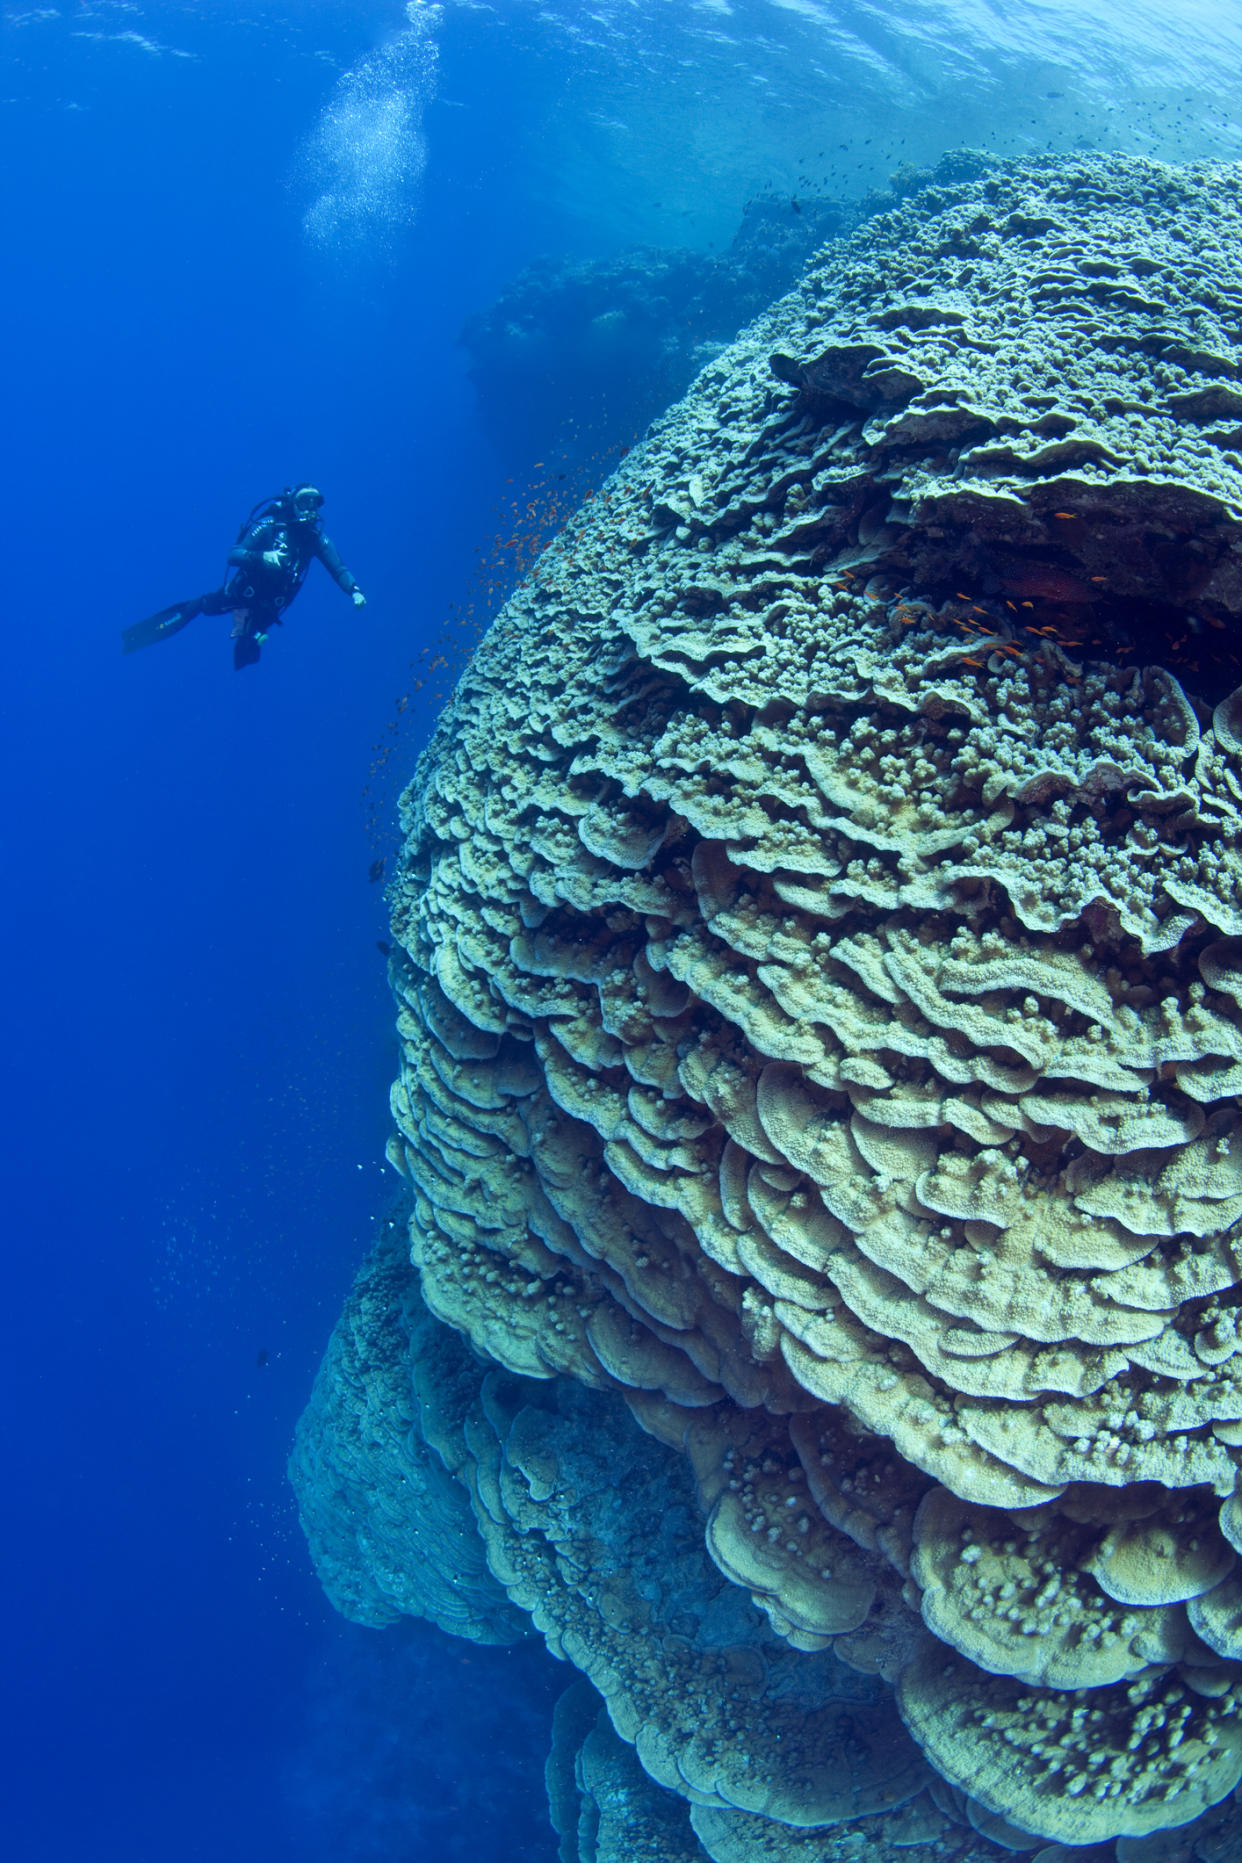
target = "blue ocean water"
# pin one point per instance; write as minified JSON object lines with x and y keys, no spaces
{"x":242,"y":241}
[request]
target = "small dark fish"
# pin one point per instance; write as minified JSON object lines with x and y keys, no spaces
{"x":796,"y":205}
{"x":262,"y":1358}
{"x":1054,"y":93}
{"x":385,"y":950}
{"x":376,"y":870}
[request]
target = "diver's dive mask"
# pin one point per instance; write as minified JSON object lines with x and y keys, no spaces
{"x":306,"y":503}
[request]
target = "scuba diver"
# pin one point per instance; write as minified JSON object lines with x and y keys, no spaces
{"x":269,"y":562}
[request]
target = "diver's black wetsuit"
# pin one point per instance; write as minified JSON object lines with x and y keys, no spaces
{"x":258,"y":592}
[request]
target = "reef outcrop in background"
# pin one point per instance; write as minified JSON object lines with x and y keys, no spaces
{"x":819,"y":957}
{"x":596,"y":348}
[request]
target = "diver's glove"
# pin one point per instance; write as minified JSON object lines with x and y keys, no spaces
{"x":275,"y":559}
{"x":359,"y":599}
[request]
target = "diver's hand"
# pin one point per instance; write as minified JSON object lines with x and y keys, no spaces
{"x":359,"y":599}
{"x":275,"y":559}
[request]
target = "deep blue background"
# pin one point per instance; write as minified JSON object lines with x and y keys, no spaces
{"x":196,"y":1026}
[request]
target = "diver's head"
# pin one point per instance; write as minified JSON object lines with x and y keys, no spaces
{"x":305,"y":502}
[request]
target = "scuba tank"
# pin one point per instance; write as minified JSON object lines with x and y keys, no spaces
{"x":266,"y":507}
{"x":279,"y":504}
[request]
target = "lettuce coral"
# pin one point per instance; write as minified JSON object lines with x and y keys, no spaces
{"x":819,"y":963}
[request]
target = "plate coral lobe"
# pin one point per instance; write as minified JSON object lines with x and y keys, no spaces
{"x":818,"y":949}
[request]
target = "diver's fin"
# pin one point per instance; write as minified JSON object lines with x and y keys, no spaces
{"x":245,"y":652}
{"x":157,"y":627}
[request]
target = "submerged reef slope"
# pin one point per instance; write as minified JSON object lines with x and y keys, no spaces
{"x":599,"y":347}
{"x":389,"y":1527}
{"x":819,"y":959}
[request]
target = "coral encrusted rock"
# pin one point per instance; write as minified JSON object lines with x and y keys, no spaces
{"x":595,"y":348}
{"x":818,"y":946}
{"x":388,"y":1526}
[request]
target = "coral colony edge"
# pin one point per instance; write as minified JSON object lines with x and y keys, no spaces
{"x":818,"y":956}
